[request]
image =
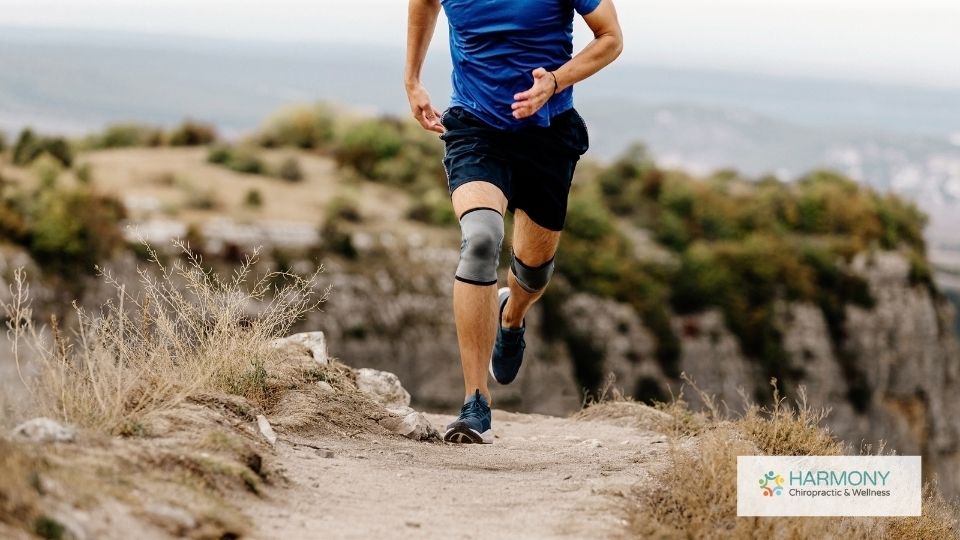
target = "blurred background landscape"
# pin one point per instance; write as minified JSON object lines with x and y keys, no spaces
{"x":770,"y":192}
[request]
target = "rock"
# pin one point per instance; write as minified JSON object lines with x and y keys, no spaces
{"x":266,"y":430}
{"x":409,"y":423}
{"x":383,"y":386}
{"x":175,"y":520}
{"x":592,"y":443}
{"x":325,"y":387}
{"x":44,"y":430}
{"x":315,"y":342}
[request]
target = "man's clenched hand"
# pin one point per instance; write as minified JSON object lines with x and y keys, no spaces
{"x":528,"y":103}
{"x":422,"y":109}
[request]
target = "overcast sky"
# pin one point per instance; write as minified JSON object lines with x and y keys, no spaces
{"x":909,"y":41}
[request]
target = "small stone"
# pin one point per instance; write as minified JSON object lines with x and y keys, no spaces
{"x":409,"y":423}
{"x":383,"y":386}
{"x":175,"y":520}
{"x":326,"y":454}
{"x":592,"y":443}
{"x":44,"y":430}
{"x":325,"y":387}
{"x":412,"y":524}
{"x":315,"y":342}
{"x":266,"y":430}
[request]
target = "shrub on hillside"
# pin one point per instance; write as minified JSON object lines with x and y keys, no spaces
{"x":192,"y":133}
{"x":71,"y":231}
{"x":307,"y":127}
{"x":3,"y":142}
{"x":253,"y":199}
{"x":290,"y":170}
{"x":239,"y":159}
{"x":126,"y":135}
{"x":29,"y":147}
{"x":185,"y":332}
{"x":366,"y":145}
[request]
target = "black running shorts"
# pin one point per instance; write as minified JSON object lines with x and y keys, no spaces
{"x":533,"y":166}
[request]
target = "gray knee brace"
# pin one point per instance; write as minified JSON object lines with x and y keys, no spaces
{"x":532,"y":279}
{"x":482,"y":230}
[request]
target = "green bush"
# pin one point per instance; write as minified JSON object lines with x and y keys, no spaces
{"x":366,"y":145}
{"x":344,"y":208}
{"x":3,"y":142}
{"x":290,"y":170}
{"x":192,"y":133}
{"x":127,"y":135}
{"x":72,"y":231}
{"x":29,"y":147}
{"x":239,"y":159}
{"x":307,"y":127}
{"x":253,"y":199}
{"x":433,"y":208}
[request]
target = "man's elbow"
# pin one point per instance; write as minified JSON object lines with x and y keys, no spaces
{"x":615,"y":44}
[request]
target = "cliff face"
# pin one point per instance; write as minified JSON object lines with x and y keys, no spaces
{"x":894,"y":377}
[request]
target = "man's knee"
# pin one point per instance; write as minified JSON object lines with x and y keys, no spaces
{"x":482,"y":231}
{"x":533,"y":279}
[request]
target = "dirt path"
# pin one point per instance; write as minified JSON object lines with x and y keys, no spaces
{"x":544,"y":477}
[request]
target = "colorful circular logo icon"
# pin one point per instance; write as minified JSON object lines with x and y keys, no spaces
{"x":771,"y":484}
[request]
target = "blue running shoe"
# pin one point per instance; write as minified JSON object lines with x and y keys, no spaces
{"x":508,"y":349}
{"x":474,"y":424}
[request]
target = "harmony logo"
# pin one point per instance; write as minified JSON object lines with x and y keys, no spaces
{"x":771,"y":484}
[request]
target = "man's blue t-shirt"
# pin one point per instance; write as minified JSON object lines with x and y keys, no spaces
{"x":495,"y":46}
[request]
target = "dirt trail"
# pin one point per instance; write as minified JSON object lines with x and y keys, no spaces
{"x":543,"y":477}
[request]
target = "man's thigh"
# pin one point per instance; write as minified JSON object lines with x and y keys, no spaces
{"x":478,"y":194}
{"x":533,"y":244}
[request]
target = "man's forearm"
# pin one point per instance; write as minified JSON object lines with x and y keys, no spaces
{"x":597,"y":55}
{"x":421,"y":22}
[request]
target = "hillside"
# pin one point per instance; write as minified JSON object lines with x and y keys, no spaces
{"x":819,"y":283}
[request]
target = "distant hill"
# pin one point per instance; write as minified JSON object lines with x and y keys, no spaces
{"x":893,"y":137}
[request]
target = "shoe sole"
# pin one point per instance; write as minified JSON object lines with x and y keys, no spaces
{"x":462,"y":434}
{"x":500,"y":294}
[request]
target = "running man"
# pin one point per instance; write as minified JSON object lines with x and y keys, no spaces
{"x":513,"y":140}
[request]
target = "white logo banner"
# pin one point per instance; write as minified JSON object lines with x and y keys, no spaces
{"x":828,"y":486}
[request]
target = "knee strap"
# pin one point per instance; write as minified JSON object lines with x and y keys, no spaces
{"x":532,"y":279}
{"x":482,"y":231}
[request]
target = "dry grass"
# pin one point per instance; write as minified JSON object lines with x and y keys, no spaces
{"x":186,"y":330}
{"x":694,"y":496}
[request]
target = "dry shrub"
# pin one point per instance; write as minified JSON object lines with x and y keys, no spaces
{"x":695,"y":496}
{"x":186,"y":331}
{"x":781,"y":430}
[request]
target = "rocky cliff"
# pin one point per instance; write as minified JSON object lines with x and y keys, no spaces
{"x":894,"y":376}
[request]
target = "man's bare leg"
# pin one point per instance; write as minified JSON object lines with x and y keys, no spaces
{"x":534,"y":246}
{"x":475,"y":307}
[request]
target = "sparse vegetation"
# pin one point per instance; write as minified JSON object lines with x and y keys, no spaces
{"x":703,"y":453}
{"x":192,"y":133}
{"x":30,"y":146}
{"x":253,"y":199}
{"x":290,"y":170}
{"x":126,"y":135}
{"x":186,"y":331}
{"x":310,"y":127}
{"x":239,"y":159}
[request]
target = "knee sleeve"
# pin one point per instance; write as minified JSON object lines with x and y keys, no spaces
{"x":482,"y":230}
{"x":532,"y":279}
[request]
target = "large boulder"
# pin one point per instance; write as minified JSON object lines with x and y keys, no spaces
{"x":382,"y":386}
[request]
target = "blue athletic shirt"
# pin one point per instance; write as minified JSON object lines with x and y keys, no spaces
{"x":495,"y":46}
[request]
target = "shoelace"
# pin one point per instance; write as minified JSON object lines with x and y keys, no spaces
{"x":472,"y":409}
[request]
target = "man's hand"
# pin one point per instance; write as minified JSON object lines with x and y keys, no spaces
{"x":422,"y":109}
{"x":528,"y":103}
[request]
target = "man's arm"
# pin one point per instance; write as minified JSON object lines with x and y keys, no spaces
{"x":421,"y":22}
{"x":606,"y":46}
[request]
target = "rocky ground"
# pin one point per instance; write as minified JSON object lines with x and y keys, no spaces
{"x":544,"y":477}
{"x":341,"y":457}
